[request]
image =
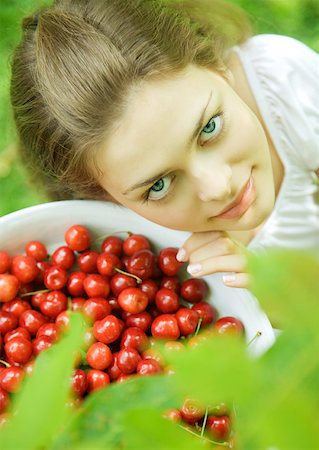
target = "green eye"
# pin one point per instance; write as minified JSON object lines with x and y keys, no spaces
{"x":158,"y":186}
{"x":213,"y":128}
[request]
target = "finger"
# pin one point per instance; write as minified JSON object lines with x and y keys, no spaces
{"x":195,"y":241}
{"x":239,"y":280}
{"x":220,"y":247}
{"x":227,"y":263}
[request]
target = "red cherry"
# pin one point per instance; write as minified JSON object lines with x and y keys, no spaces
{"x":107,"y":263}
{"x":165,"y":326}
{"x":96,"y":308}
{"x":63,"y":320}
{"x":9,"y":286}
{"x":150,"y":287}
{"x":4,"y":400}
{"x":108,"y":329}
{"x":18,"y":349}
{"x":43,"y":266}
{"x":167,"y":301}
{"x":8,"y":322}
{"x":141,"y":320}
{"x":167,"y":261}
{"x":97,"y":379}
{"x":96,"y":285}
{"x":78,"y":238}
{"x":120,"y":281}
{"x":16,"y":306}
{"x":99,"y":356}
{"x":63,"y":257}
{"x":41,"y":343}
{"x":128,"y":359}
{"x":75,"y":284}
{"x":172,"y":283}
{"x":173,"y":414}
{"x":134,"y":243}
{"x":5,"y":262}
{"x":77,"y":303}
{"x":134,"y":337}
{"x":53,"y":304}
{"x":112,"y":244}
{"x":148,"y":367}
{"x":79,"y":382}
{"x":229,"y":325}
{"x":219,"y":427}
{"x":24,"y":268}
{"x":11,"y":378}
{"x":49,"y":329}
{"x":36,"y":299}
{"x":187,"y":320}
{"x":194,"y":290}
{"x":32,"y":321}
{"x":55,"y":278}
{"x":87,"y":261}
{"x":113,"y":370}
{"x":192,"y":411}
{"x":17,"y":332}
{"x":133,"y":300}
{"x":36,"y":250}
{"x":141,"y":264}
{"x":205,"y":311}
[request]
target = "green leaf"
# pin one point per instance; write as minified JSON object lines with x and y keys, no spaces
{"x":39,"y":409}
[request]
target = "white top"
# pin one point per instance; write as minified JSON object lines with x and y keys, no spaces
{"x":283,"y":75}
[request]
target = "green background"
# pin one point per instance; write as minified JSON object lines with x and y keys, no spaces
{"x":296,"y":18}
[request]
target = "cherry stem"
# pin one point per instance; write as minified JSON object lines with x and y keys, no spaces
{"x":198,"y":326}
{"x":258,"y":334}
{"x":138,"y":279}
{"x":35,"y":292}
{"x":5,"y":363}
{"x":204,"y":423}
{"x":225,"y":444}
{"x":101,"y":238}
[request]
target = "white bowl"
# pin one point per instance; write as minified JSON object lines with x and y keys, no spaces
{"x":49,"y":221}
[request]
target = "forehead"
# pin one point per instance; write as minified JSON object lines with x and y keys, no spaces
{"x":158,"y":118}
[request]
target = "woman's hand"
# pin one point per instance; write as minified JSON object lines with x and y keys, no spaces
{"x":215,"y":251}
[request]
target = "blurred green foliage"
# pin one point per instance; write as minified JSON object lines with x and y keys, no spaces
{"x":296,"y":18}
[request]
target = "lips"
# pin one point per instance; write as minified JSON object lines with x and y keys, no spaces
{"x":240,"y":205}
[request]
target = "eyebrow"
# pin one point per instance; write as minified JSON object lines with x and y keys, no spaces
{"x":152,"y":180}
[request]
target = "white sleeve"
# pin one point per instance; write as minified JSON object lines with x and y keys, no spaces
{"x":284,"y":77}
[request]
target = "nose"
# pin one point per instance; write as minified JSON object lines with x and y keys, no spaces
{"x":213,"y":181}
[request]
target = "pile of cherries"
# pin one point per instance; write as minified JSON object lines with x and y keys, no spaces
{"x":130,"y":297}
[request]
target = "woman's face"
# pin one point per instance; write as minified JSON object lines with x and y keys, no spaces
{"x":185,"y":151}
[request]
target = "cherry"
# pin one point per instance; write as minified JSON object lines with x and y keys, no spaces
{"x":167,"y":301}
{"x":142,"y":320}
{"x":43,"y":266}
{"x":9,"y":286}
{"x":107,"y":263}
{"x":128,"y":359}
{"x":112,"y":244}
{"x":18,"y":349}
{"x":63,"y":320}
{"x":173,"y":414}
{"x":141,"y":264}
{"x":49,"y":329}
{"x":36,"y":250}
{"x":187,"y":320}
{"x":229,"y":325}
{"x":5,"y":262}
{"x":148,"y":367}
{"x":16,"y":306}
{"x":87,"y":261}
{"x":134,"y":243}
{"x":113,"y":370}
{"x":17,"y":332}
{"x":150,"y":287}
{"x":108,"y":329}
{"x":79,"y":382}
{"x":167,"y":261}
{"x":53,"y":304}
{"x":134,"y":337}
{"x":32,"y":321}
{"x":96,"y":285}
{"x":55,"y":278}
{"x":172,"y":283}
{"x":8,"y":322}
{"x":205,"y":311}
{"x":41,"y":343}
{"x":24,"y":268}
{"x":120,"y":281}
{"x":4,"y":400}
{"x":219,"y":427}
{"x":11,"y":378}
{"x":97,"y":379}
{"x":194,"y":290}
{"x":99,"y":356}
{"x":133,"y":300}
{"x":77,"y":303}
{"x":75,"y":284}
{"x":192,"y":411}
{"x":78,"y":238}
{"x":96,"y":308}
{"x":63,"y":257}
{"x":165,"y":326}
{"x":37,"y":298}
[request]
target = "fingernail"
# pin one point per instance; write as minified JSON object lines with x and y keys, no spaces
{"x":194,"y":268}
{"x":181,"y":255}
{"x":229,"y":279}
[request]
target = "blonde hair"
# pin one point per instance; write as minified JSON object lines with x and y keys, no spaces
{"x":77,"y":62}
